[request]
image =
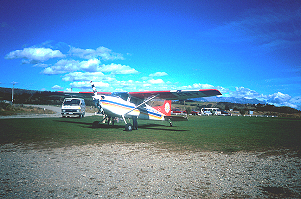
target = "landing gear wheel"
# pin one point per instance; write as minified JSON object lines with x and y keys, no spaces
{"x":170,"y":124}
{"x":128,"y":127}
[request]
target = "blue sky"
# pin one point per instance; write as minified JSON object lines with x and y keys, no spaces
{"x":245,"y":48}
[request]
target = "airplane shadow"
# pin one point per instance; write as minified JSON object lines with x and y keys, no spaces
{"x":90,"y":125}
{"x":159,"y":127}
{"x":74,"y":122}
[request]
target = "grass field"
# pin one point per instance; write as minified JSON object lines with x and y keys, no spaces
{"x":215,"y":133}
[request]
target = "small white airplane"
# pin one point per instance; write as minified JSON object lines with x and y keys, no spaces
{"x":133,"y":105}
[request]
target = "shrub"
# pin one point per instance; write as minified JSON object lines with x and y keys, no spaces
{"x":5,"y":106}
{"x":242,"y":111}
{"x":188,"y":110}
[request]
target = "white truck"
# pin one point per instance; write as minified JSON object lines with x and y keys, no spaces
{"x":73,"y":106}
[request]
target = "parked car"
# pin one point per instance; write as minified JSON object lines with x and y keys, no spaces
{"x":176,"y":111}
{"x":207,"y":113}
{"x":73,"y":106}
{"x":194,"y":112}
{"x":224,"y":113}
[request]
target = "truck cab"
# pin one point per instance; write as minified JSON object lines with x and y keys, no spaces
{"x":73,"y":107}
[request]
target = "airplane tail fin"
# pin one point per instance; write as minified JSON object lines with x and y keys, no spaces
{"x":165,"y":108}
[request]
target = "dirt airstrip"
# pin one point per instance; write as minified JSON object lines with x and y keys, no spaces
{"x":144,"y":171}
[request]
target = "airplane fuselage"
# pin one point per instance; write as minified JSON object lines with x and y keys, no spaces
{"x":117,"y":107}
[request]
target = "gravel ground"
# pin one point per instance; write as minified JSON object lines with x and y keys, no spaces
{"x":144,"y":171}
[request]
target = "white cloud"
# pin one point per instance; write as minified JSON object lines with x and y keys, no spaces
{"x":35,"y":55}
{"x":156,"y":81}
{"x":57,"y":87}
{"x":128,"y":85}
{"x":86,"y":85}
{"x":242,"y":92}
{"x":106,"y":83}
{"x":42,"y":65}
{"x":278,"y":98}
{"x":117,"y":69}
{"x":67,"y":65}
{"x":90,"y":65}
{"x":50,"y":71}
{"x":202,"y":86}
{"x":158,"y":74}
{"x":296,"y":100}
{"x":102,"y":52}
{"x":86,"y":76}
{"x":147,"y":85}
{"x":62,"y":66}
{"x":81,"y":53}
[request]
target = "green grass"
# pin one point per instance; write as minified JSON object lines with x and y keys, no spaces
{"x":226,"y":134}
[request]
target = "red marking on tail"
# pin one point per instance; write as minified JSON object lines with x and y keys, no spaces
{"x":165,"y":108}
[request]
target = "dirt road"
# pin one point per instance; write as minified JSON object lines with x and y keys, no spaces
{"x":144,"y":171}
{"x":56,"y":109}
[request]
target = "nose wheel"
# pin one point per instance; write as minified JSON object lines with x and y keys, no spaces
{"x":128,"y":127}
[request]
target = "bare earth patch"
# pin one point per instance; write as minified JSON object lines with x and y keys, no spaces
{"x":144,"y":171}
{"x":24,"y":110}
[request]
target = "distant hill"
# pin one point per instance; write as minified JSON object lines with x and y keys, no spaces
{"x":230,"y":99}
{"x":7,"y":91}
{"x":23,"y":96}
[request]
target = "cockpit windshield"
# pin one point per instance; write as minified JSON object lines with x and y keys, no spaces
{"x":72,"y":102}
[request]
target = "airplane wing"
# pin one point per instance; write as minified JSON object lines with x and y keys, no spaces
{"x":177,"y":94}
{"x":85,"y":93}
{"x":168,"y":95}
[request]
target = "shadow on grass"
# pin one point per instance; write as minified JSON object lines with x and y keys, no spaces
{"x":159,"y":127}
{"x":75,"y":122}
